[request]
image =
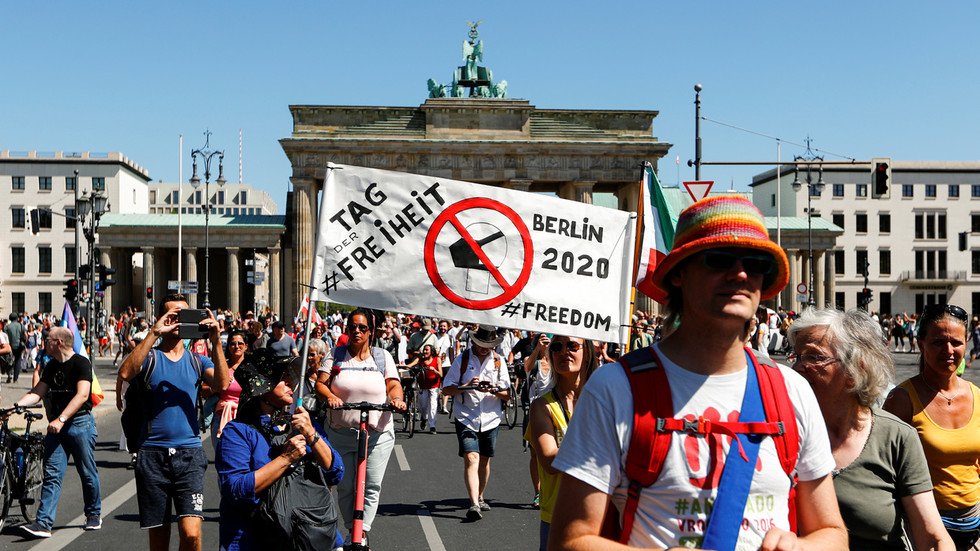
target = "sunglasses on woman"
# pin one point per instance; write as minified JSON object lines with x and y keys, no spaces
{"x":753,"y":264}
{"x":937,"y":310}
{"x":557,"y":347}
{"x":359,"y":327}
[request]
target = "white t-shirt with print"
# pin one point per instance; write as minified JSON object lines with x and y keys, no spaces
{"x":672,"y":512}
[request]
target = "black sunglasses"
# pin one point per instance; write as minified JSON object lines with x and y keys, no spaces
{"x":557,"y":347}
{"x":753,"y":264}
{"x":937,"y":311}
{"x":359,"y":327}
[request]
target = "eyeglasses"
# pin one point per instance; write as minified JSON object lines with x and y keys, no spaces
{"x":753,"y":264}
{"x":812,"y":359}
{"x":557,"y":347}
{"x":360,"y":327}
{"x":937,"y":310}
{"x":237,"y":344}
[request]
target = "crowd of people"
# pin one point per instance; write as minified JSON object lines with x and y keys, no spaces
{"x":692,"y":437}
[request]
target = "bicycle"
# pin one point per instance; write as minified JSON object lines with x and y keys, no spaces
{"x":512,"y":403}
{"x":409,"y":380}
{"x":21,"y":481}
{"x":357,"y":528}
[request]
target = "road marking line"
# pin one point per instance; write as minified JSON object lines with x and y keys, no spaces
{"x":402,"y":459}
{"x":61,"y":538}
{"x":429,"y":529}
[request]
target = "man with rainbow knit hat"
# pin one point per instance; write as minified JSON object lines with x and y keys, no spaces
{"x":725,"y":439}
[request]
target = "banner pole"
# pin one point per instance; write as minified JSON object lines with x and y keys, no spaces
{"x":312,"y":287}
{"x":624,"y":328}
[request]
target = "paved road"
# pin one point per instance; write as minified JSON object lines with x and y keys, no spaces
{"x":423,"y":501}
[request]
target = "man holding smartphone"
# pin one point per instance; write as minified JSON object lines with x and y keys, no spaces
{"x":170,"y":462}
{"x":477,"y":410}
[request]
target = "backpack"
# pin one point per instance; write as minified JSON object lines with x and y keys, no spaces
{"x":136,"y":416}
{"x":653,"y":426}
{"x":298,"y":510}
{"x":377,"y":354}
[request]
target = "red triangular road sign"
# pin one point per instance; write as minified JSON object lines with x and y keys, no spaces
{"x":698,"y":190}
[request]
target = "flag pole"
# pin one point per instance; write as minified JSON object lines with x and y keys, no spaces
{"x":180,"y":225}
{"x":624,"y":328}
{"x":637,"y":248}
{"x":314,"y":276}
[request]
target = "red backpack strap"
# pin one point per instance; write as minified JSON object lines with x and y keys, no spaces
{"x":648,"y":446}
{"x":779,"y":408}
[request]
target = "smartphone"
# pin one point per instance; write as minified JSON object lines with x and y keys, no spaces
{"x":190,"y":324}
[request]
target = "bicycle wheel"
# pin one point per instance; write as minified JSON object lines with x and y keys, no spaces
{"x":510,"y":412}
{"x":5,"y":491}
{"x":411,"y":413}
{"x":30,"y":496}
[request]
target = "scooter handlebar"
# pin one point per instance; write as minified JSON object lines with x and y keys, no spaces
{"x":366,"y":406}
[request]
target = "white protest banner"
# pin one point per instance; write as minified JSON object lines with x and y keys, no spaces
{"x":458,"y":250}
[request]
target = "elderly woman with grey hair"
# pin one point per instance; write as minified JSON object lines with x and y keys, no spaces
{"x":881,"y":474}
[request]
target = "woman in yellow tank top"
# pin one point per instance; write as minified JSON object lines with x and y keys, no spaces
{"x":572,"y":362}
{"x":945,"y":410}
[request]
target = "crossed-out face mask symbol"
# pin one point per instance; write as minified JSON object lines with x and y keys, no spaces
{"x":492,"y":243}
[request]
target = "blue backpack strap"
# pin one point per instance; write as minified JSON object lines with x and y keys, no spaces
{"x":728,"y":511}
{"x":379,"y":358}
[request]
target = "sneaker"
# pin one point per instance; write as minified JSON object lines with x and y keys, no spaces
{"x":536,"y":502}
{"x":432,"y":430}
{"x":132,"y":462}
{"x":483,"y":505}
{"x":473,"y":513}
{"x":93,"y":522}
{"x":35,"y":530}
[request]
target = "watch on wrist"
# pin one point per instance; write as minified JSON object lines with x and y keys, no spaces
{"x":316,"y":438}
{"x":62,"y":418}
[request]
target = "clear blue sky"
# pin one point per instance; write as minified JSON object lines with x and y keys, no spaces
{"x":863,"y":79}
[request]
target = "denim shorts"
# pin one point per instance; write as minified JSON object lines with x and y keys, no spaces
{"x":169,"y":475}
{"x":483,"y":442}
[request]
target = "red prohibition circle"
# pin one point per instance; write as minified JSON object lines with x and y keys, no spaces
{"x":449,"y":216}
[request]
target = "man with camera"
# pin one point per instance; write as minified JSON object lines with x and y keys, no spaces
{"x":170,"y":462}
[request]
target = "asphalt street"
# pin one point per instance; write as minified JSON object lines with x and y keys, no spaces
{"x":423,"y":501}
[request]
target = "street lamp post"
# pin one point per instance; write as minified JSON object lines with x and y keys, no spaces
{"x":207,"y":155}
{"x":810,"y":159}
{"x":91,"y":207}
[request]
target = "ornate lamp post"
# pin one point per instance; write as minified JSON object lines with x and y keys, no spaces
{"x":811,"y":187}
{"x":91,"y":207}
{"x":207,"y":155}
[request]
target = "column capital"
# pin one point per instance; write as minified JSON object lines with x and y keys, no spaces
{"x":519,"y":184}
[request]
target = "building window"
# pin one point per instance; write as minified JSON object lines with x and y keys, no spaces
{"x":975,"y":262}
{"x":221,"y":197}
{"x":884,"y":262}
{"x":153,"y":196}
{"x":885,"y":302}
{"x":930,"y":225}
{"x":244,"y":197}
{"x":17,"y":182}
{"x":839,"y":263}
{"x":974,"y":191}
{"x":98,"y":183}
{"x":907,"y":190}
{"x":838,"y":219}
{"x":772,"y":200}
{"x":930,"y":190}
{"x":941,"y":226}
{"x":860,"y":260}
{"x":70,"y":259}
{"x":861,"y":222}
{"x":838,"y":190}
{"x":69,"y":217}
{"x":839,"y":300}
{"x":884,"y":222}
{"x":18,"y":302}
{"x":862,"y":190}
{"x":44,"y":302}
{"x":954,"y":191}
{"x":975,"y":223}
{"x":44,"y":260}
{"x":814,"y":192}
{"x":197,"y":199}
{"x":19,"y":217}
{"x":44,"y":183}
{"x":70,"y":183}
{"x":18,"y":260}
{"x":44,"y":218}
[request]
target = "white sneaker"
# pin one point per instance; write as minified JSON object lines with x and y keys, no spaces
{"x":36,"y":530}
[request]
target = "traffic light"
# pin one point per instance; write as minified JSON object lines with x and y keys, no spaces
{"x":149,"y":292}
{"x":85,"y":272}
{"x":865,"y":298}
{"x":71,"y":290}
{"x":104,"y":278}
{"x":963,"y":245}
{"x":35,"y":221}
{"x":881,"y":175}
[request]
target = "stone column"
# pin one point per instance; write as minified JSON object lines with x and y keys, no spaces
{"x":285,"y":298}
{"x":122,"y":291}
{"x":629,"y":197}
{"x":518,"y":184}
{"x":818,"y":278}
{"x":579,"y":190}
{"x":190,"y":268}
{"x":275,"y":274}
{"x":304,"y":214}
{"x":830,"y":272}
{"x":148,"y":279}
{"x":234,"y":295}
{"x":160,"y":290}
{"x":106,"y":260}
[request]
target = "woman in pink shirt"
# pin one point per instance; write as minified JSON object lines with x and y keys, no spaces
{"x":227,"y":407}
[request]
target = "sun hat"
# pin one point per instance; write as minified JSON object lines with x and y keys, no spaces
{"x":486,"y":336}
{"x":717,"y":222}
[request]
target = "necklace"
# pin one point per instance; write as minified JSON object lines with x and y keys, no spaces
{"x":949,"y":399}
